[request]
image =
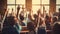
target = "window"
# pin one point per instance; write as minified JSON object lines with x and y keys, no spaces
{"x":45,"y":1}
{"x":10,"y":1}
{"x":57,"y":5}
{"x":35,"y":9}
{"x":47,"y":9}
{"x":57,"y":8}
{"x":38,"y":4}
{"x":14,"y":3}
{"x":57,"y":1}
{"x":20,"y":1}
{"x":10,"y":8}
{"x":35,"y":1}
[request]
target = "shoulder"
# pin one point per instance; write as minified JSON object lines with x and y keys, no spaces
{"x":9,"y":30}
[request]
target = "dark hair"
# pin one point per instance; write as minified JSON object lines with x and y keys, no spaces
{"x":30,"y":26}
{"x":56,"y":28}
{"x":21,"y":17}
{"x":54,"y":19}
{"x":9,"y":21}
{"x":47,"y":17}
{"x":59,"y":9}
{"x":35,"y":16}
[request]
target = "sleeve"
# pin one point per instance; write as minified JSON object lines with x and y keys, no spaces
{"x":18,"y":27}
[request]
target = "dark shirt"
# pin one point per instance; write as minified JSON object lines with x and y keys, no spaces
{"x":22,"y":24}
{"x":41,"y":31}
{"x":9,"y":30}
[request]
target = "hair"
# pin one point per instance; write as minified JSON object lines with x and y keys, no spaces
{"x":54,"y":19}
{"x":30,"y":26}
{"x":56,"y":28}
{"x":35,"y":16}
{"x":59,"y":9}
{"x":21,"y":17}
{"x":9,"y":21}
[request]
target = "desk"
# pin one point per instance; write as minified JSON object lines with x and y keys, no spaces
{"x":24,"y":32}
{"x":49,"y":31}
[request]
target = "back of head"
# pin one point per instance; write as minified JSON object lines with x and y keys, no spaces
{"x":56,"y":28}
{"x":21,"y":17}
{"x":54,"y":19}
{"x":35,"y":16}
{"x":30,"y":26}
{"x":9,"y":21}
{"x":59,"y":9}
